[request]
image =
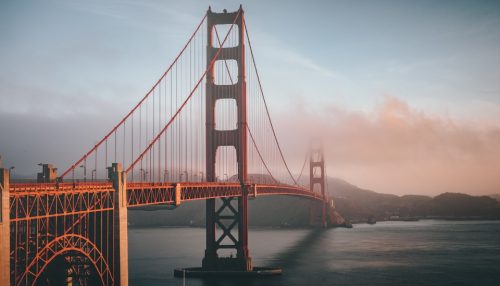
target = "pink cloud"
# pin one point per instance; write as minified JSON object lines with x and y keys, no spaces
{"x":398,"y":149}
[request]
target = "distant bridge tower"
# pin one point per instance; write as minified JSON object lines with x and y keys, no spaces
{"x":227,"y":216}
{"x":317,"y":178}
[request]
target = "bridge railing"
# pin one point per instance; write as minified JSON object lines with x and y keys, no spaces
{"x":143,"y":194}
{"x":42,"y":200}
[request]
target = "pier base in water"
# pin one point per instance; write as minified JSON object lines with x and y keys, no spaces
{"x":199,"y":272}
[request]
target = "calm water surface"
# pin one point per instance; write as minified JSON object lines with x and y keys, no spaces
{"x":388,"y":253}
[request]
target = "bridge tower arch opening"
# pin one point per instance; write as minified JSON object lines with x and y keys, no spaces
{"x":72,"y":267}
{"x":227,"y":221}
{"x":68,"y":258}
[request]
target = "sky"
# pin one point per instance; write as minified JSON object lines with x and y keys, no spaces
{"x":405,"y":94}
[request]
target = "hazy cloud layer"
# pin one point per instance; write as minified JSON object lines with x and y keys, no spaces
{"x":395,"y":148}
{"x":399,"y":149}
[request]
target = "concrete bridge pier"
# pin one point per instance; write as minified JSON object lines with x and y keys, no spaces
{"x":4,"y":227}
{"x":120,"y":224}
{"x":317,"y":214}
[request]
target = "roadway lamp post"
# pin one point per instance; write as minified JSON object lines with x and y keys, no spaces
{"x":84,"y":172}
{"x":94,"y":174}
{"x":144,"y":173}
{"x":201,"y":178}
{"x":165,"y":175}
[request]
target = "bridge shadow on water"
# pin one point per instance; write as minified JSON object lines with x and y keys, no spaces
{"x":290,"y":260}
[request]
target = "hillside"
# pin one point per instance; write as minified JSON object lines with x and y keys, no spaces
{"x":359,"y":205}
{"x":495,"y":196}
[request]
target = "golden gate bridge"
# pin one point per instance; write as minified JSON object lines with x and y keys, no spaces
{"x":186,"y":139}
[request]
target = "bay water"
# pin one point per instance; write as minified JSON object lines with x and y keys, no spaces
{"x":427,"y":252}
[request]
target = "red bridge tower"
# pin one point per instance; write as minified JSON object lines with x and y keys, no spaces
{"x":227,"y":216}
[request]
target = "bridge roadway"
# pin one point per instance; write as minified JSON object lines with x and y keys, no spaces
{"x":36,"y":200}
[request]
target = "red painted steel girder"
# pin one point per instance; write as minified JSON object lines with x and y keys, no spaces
{"x":64,"y":244}
{"x":144,"y":194}
{"x":32,"y":201}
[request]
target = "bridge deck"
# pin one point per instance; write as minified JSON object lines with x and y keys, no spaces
{"x":35,"y":200}
{"x":143,"y":194}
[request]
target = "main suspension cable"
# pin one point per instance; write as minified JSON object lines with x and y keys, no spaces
{"x":249,"y":131}
{"x":185,"y":101}
{"x":265,"y":104}
{"x":138,"y":104}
